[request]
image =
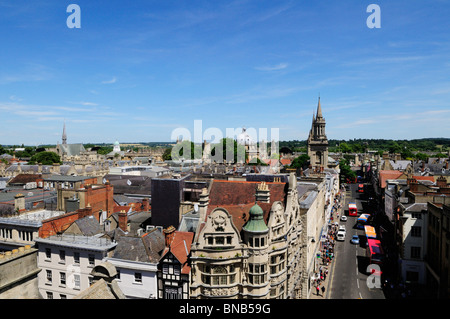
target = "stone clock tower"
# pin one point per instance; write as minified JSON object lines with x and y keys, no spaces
{"x":318,"y":142}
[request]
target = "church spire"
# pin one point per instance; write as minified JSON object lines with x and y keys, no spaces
{"x":64,"y":135}
{"x":319,"y":110}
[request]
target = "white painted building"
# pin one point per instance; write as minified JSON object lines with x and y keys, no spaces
{"x":67,"y":261}
{"x":414,"y":242}
{"x":136,"y":279}
{"x":136,"y":260}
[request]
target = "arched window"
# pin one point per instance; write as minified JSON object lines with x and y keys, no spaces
{"x":318,"y":157}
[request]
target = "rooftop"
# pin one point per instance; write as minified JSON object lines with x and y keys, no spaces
{"x":32,"y":218}
{"x":63,"y":178}
{"x":81,"y":241}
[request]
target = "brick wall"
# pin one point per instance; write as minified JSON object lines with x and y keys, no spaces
{"x":99,"y":197}
{"x":55,"y":225}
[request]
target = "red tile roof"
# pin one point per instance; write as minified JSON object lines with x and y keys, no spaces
{"x":391,"y":174}
{"x":237,"y":197}
{"x":181,"y":248}
{"x":26,"y":178}
{"x":271,"y":162}
{"x":388,"y":174}
{"x":424,"y":178}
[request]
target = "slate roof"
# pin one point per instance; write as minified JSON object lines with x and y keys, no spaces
{"x":124,"y":200}
{"x":128,"y":184}
{"x":146,"y":248}
{"x":89,"y":226}
{"x":62,"y":178}
{"x":72,"y":149}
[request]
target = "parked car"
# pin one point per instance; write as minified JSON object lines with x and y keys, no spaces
{"x":343,"y":218}
{"x":355,"y":239}
{"x":341,"y":227}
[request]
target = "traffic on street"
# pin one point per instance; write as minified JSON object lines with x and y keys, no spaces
{"x":357,"y":268}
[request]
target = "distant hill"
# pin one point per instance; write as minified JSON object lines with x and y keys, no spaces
{"x":393,"y":146}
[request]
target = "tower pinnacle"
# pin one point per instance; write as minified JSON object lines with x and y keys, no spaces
{"x":64,"y":135}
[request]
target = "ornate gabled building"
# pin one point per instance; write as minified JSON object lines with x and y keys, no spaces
{"x":318,"y":142}
{"x":248,"y":241}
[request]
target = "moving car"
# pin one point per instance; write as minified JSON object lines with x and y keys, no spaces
{"x":343,"y":218}
{"x":341,"y":227}
{"x":355,"y":239}
{"x":340,"y":235}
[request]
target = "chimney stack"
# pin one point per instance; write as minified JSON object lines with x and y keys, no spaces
{"x":441,"y":182}
{"x":123,"y":221}
{"x":83,"y":212}
{"x":263,"y":193}
{"x":145,"y":205}
{"x":169,"y":233}
{"x":413,"y":184}
{"x":19,"y":202}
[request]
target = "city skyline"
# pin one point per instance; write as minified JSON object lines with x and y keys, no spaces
{"x":138,"y":71}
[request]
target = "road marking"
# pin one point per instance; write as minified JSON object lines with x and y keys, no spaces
{"x":360,"y":296}
{"x":357,"y":282}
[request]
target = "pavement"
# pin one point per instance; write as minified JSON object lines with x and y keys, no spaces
{"x":326,"y":282}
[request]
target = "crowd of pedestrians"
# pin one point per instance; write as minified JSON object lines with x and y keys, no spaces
{"x":327,"y":248}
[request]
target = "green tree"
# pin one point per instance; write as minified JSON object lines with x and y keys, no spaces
{"x":167,"y":156}
{"x":345,"y":148}
{"x":300,"y":161}
{"x":45,"y":158}
{"x":103,"y":150}
{"x":228,"y":149}
{"x":346,"y":174}
{"x":186,"y":150}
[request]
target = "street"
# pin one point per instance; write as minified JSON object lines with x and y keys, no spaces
{"x":349,"y":277}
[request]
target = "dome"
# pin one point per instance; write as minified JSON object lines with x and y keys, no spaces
{"x":256,"y":211}
{"x":244,"y":138}
{"x":116,"y":143}
{"x":256,"y":222}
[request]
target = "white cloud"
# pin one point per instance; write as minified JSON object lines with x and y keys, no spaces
{"x":277,"y":67}
{"x":113,"y":80}
{"x":88,"y":103}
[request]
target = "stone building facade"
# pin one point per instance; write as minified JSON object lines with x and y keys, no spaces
{"x":248,"y":242}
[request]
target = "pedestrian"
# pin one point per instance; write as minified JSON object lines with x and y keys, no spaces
{"x":323,"y":290}
{"x":318,"y":290}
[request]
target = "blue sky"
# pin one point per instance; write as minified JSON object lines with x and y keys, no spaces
{"x":137,"y":70}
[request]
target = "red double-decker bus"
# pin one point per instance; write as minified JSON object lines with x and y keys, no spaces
{"x":374,"y":251}
{"x":360,"y":188}
{"x":352,"y":209}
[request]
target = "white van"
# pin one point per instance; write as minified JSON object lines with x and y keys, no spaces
{"x":340,"y":235}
